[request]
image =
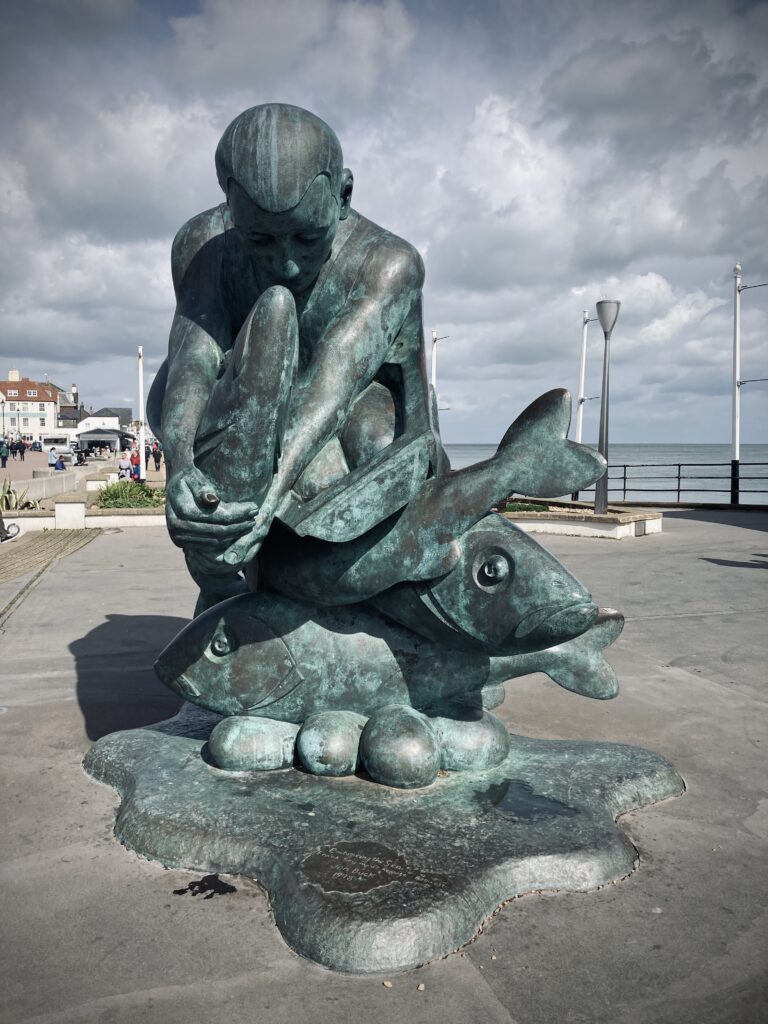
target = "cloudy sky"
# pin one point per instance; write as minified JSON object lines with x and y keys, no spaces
{"x":539,"y":155}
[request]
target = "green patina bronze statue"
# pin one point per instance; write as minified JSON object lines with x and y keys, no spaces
{"x":360,"y":607}
{"x":306,"y":472}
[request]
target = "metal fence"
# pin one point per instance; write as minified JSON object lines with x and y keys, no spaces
{"x":679,"y":478}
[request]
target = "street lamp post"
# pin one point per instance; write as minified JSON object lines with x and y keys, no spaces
{"x":585,"y":319}
{"x":435,"y":340}
{"x":142,"y":457}
{"x":738,"y":288}
{"x":2,"y":406}
{"x":607,"y":314}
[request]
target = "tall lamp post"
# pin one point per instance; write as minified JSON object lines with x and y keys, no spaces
{"x":585,"y":319}
{"x":142,"y":457}
{"x":738,"y":288}
{"x":607,"y":314}
{"x":2,"y":406}
{"x":435,"y":340}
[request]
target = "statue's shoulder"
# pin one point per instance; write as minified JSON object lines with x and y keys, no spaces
{"x":386,"y":255}
{"x":205,"y":229}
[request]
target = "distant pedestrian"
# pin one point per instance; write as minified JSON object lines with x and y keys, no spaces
{"x":156,"y":456}
{"x":147,"y":455}
{"x":4,"y":453}
{"x":22,"y":450}
{"x":53,"y":458}
{"x":124,"y":467}
{"x":135,"y":464}
{"x":12,"y":449}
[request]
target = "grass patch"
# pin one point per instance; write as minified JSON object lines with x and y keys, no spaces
{"x":525,"y":506}
{"x":130,"y":494}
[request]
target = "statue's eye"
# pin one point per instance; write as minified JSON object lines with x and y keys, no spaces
{"x":221,"y":644}
{"x":493,"y":571}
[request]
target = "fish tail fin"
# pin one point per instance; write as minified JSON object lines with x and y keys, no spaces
{"x":536,"y":456}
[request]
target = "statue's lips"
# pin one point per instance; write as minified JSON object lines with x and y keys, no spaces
{"x":557,"y":624}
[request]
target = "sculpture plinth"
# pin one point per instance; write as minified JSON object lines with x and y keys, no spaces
{"x":366,"y":878}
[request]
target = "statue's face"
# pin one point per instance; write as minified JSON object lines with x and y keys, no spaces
{"x":287,"y":248}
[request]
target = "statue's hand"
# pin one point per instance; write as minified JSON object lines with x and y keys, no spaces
{"x":246,"y":547}
{"x":197,"y":517}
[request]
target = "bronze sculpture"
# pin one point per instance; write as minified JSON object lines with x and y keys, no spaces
{"x":360,"y":608}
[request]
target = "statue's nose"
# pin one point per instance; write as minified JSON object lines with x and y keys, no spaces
{"x":290,"y":270}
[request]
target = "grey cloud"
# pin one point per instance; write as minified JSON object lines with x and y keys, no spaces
{"x":650,"y":99}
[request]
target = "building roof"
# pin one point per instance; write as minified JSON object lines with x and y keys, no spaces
{"x":46,"y":392}
{"x":104,"y":434}
{"x":123,"y":415}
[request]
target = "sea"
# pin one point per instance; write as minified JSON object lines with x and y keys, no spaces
{"x":651,"y":471}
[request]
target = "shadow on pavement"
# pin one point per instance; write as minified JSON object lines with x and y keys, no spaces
{"x":116,"y":684}
{"x":748,"y":520}
{"x":754,"y":562}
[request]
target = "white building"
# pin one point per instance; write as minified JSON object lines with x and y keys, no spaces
{"x":28,"y":408}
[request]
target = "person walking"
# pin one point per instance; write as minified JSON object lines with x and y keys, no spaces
{"x":156,"y":456}
{"x":135,"y":464}
{"x":12,"y":449}
{"x":53,"y":458}
{"x":4,"y":453}
{"x":22,"y":450}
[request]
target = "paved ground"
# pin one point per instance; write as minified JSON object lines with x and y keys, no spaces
{"x":18,"y":470}
{"x":91,"y":933}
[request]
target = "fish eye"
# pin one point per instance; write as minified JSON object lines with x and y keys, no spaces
{"x":493,"y":571}
{"x":221,"y":644}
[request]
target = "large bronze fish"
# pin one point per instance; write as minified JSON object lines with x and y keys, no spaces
{"x":506,"y":609}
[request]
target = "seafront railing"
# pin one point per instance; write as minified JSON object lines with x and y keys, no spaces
{"x":677,"y":479}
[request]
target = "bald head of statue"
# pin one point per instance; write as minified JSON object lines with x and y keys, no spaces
{"x":275,"y":151}
{"x":281,"y":169}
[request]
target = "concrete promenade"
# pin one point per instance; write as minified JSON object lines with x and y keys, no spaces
{"x":93,"y":934}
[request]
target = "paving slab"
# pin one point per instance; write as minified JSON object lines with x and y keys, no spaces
{"x":91,"y":932}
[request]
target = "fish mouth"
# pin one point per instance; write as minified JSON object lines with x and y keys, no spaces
{"x":555,"y":625}
{"x":175,"y":681}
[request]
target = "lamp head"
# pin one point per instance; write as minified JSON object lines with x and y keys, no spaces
{"x":737,"y":270}
{"x":607,"y":314}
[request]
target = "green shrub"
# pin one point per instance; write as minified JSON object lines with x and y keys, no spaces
{"x":11,"y":500}
{"x":130,"y":494}
{"x":524,"y":506}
